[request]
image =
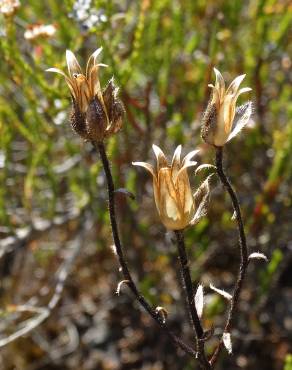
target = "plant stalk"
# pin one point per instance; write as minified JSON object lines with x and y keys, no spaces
{"x":242,"y":249}
{"x":122,"y":261}
{"x":189,"y":290}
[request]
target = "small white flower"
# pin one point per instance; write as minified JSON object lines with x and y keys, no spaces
{"x":9,"y":7}
{"x":39,"y":30}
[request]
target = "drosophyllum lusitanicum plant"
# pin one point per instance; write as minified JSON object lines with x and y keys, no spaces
{"x":98,"y":113}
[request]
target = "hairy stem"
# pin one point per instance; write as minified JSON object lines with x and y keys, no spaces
{"x":122,"y":261}
{"x":188,"y":285}
{"x":242,"y":249}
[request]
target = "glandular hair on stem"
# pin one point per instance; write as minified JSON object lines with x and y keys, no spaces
{"x":209,"y":123}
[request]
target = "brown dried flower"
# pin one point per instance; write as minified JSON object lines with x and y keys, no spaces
{"x":221,"y":120}
{"x":175,"y":203}
{"x":96,"y":113}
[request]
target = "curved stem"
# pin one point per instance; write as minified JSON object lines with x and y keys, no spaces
{"x":242,"y":248}
{"x":188,"y":285}
{"x":122,"y":261}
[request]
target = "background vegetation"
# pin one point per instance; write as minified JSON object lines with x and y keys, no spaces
{"x":53,"y":196}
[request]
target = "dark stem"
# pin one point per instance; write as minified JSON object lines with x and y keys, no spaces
{"x":242,"y":248}
{"x":122,"y":261}
{"x":189,"y":290}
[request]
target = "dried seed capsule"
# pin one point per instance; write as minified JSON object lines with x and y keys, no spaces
{"x":177,"y":206}
{"x":96,"y":114}
{"x":220,"y":123}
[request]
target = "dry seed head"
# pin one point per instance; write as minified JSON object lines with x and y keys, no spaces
{"x":175,"y":202}
{"x":77,"y":119}
{"x":97,"y":113}
{"x":96,"y":121}
{"x":209,"y":121}
{"x":222,"y":120}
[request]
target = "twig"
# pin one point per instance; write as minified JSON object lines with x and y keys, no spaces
{"x":127,"y":100}
{"x":122,"y":261}
{"x":242,"y":247}
{"x":188,"y":285}
{"x":55,"y":351}
{"x":23,"y":235}
{"x":43,"y":312}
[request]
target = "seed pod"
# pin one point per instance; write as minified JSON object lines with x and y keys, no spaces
{"x":175,"y":202}
{"x":77,"y":120}
{"x":114,"y":108}
{"x":96,"y":121}
{"x":220,"y":122}
{"x":209,"y":123}
{"x":96,"y":114}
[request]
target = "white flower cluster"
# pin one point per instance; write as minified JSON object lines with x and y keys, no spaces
{"x":39,"y":30}
{"x":8,"y":7}
{"x":86,"y":15}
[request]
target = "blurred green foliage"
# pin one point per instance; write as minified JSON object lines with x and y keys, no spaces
{"x":161,"y":53}
{"x":267,"y":274}
{"x":288,"y":362}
